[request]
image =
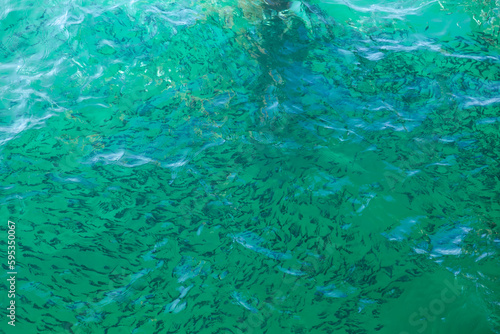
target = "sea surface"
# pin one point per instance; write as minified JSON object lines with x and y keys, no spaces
{"x":234,"y":167}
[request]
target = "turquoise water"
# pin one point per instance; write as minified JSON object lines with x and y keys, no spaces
{"x":230,"y":167}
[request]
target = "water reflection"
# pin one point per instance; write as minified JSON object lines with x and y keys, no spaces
{"x":276,"y":35}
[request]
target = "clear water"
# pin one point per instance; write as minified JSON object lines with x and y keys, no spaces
{"x":219,"y":167}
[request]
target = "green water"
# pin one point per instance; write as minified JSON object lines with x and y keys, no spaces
{"x":219,"y":167}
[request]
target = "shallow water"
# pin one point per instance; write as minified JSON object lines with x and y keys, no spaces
{"x":190,"y":167}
